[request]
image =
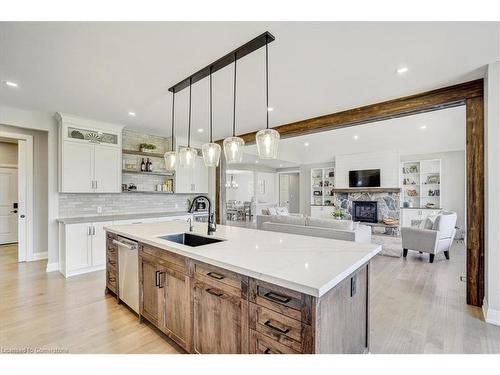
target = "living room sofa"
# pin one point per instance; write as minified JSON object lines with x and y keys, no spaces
{"x":346,"y":230}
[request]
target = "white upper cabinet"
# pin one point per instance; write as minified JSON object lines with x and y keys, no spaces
{"x":192,"y":180}
{"x":89,"y":156}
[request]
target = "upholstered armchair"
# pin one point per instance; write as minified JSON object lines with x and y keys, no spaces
{"x":431,"y":237}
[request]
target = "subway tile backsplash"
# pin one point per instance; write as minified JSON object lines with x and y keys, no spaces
{"x":73,"y":205}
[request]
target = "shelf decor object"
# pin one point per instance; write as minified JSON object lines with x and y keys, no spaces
{"x":187,"y":155}
{"x":171,"y":156}
{"x":267,"y":139}
{"x":233,"y":146}
{"x":211,"y":151}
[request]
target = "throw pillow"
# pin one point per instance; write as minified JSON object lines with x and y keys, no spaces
{"x":272,"y":211}
{"x":265,"y":211}
{"x":283,"y":219}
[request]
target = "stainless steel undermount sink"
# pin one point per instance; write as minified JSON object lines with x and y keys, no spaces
{"x":190,"y":239}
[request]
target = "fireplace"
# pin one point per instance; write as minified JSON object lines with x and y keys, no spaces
{"x":365,"y":211}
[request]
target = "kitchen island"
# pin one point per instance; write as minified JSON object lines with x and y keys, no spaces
{"x":252,"y":291}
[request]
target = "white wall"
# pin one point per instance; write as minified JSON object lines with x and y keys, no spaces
{"x":8,"y":153}
{"x":491,"y":305}
{"x":271,"y":187}
{"x":245,"y":191}
{"x":43,"y":129}
{"x":452,"y":181}
{"x":386,"y":161}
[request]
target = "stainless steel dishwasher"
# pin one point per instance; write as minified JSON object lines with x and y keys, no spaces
{"x":128,"y":269}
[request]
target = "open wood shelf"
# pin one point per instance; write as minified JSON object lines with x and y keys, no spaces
{"x":167,"y":174}
{"x":146,"y":154}
{"x":367,"y":190}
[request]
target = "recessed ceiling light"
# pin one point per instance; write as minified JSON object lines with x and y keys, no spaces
{"x":256,"y":162}
{"x":423,"y":127}
{"x":200,"y":130}
{"x":402,"y":70}
{"x":11,"y":84}
{"x":306,"y":144}
{"x":281,"y":165}
{"x":270,"y":109}
{"x":356,"y":137}
{"x":131,"y":114}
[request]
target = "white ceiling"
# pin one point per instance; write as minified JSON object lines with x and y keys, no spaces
{"x":424,"y":133}
{"x":104,"y":70}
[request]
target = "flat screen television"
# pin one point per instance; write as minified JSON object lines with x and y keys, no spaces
{"x":364,"y":178}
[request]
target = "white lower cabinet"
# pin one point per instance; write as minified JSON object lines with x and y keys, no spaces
{"x":82,"y":246}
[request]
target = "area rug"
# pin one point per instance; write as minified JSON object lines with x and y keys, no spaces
{"x":391,"y":246}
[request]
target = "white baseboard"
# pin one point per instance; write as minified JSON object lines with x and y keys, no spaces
{"x":51,"y":267}
{"x":39,"y":256}
{"x":491,"y":316}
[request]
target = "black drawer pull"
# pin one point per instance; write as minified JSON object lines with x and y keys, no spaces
{"x":214,"y":293}
{"x":215,"y":275}
{"x":268,"y":351}
{"x":157,"y":282}
{"x":160,"y":284}
{"x":282,"y":331}
{"x":277,"y":297}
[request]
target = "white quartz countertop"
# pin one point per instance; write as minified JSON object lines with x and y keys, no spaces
{"x":306,"y":264}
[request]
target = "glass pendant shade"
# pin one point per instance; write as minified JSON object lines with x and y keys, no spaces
{"x":187,"y":157}
{"x":233,"y":149}
{"x":170,"y":160}
{"x":267,"y":143}
{"x":211,"y":154}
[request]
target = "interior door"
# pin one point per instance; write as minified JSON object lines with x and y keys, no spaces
{"x":77,"y":165}
{"x":294,"y":193}
{"x":284,"y":191}
{"x":107,"y":170}
{"x":8,"y":205}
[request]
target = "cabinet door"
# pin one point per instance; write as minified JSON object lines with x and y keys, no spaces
{"x":151,"y":299}
{"x":99,"y":243}
{"x":77,"y":167}
{"x":78,"y":247}
{"x":220,"y":321}
{"x":184,"y":180}
{"x":201,"y":176}
{"x":177,"y":308}
{"x":107,"y":169}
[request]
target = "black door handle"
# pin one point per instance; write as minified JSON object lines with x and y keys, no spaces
{"x":23,"y":216}
{"x":14,"y":212}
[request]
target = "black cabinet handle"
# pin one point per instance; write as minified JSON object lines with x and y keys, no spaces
{"x":215,"y":275}
{"x":277,"y":297}
{"x":268,"y":351}
{"x":283,"y":331}
{"x":160,"y":284}
{"x":214,"y":293}
{"x":157,"y":282}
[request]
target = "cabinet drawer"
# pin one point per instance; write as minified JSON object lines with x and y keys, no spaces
{"x":111,"y":263}
{"x":111,"y":280}
{"x":166,"y":258}
{"x":282,"y":300}
{"x":285,"y":330}
{"x":260,"y":344}
{"x":206,"y":272}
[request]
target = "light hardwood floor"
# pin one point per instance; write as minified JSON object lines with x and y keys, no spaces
{"x":417,"y":307}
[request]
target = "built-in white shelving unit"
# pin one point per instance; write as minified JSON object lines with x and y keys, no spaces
{"x":322,"y":183}
{"x":421,"y":184}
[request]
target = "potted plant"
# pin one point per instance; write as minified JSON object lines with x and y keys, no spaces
{"x":147,"y":147}
{"x":338,"y":213}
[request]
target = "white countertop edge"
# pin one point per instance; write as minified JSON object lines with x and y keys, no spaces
{"x":312,"y":291}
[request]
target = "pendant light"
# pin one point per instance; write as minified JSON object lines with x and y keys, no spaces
{"x":233,"y":146}
{"x":187,"y":155}
{"x":267,"y":139}
{"x":171,"y":156}
{"x":211,"y":150}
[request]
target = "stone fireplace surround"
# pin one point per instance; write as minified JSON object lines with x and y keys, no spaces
{"x":388,"y":203}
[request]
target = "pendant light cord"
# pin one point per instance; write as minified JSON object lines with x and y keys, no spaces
{"x":211,"y":139}
{"x":173,"y":118}
{"x":234,"y":98}
{"x":267,"y":85}
{"x":189,"y":118}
